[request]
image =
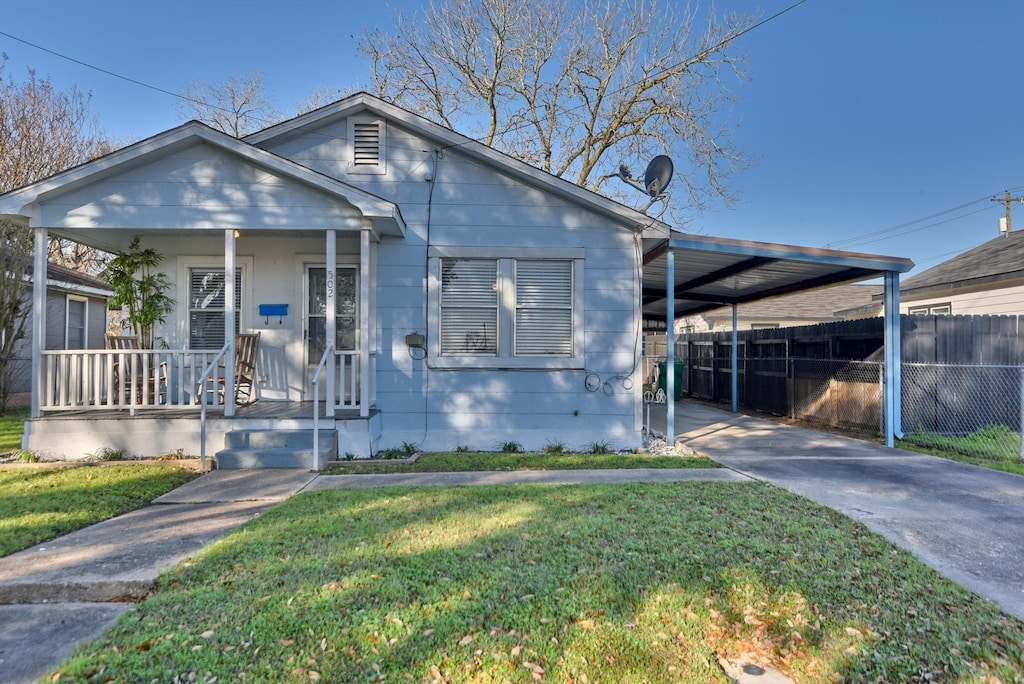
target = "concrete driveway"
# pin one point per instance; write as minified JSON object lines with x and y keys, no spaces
{"x":964,"y":521}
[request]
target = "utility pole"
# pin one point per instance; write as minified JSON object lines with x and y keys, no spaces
{"x":1008,"y":202}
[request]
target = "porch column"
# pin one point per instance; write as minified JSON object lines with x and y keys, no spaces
{"x":331,"y":327}
{"x":38,"y":319}
{"x":893,"y":354}
{"x":364,"y":323}
{"x":670,"y":346}
{"x":229,"y":322}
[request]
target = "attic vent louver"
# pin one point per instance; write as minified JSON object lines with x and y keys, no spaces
{"x":369,"y":148}
{"x":366,"y":144}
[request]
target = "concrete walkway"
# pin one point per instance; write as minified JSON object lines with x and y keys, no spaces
{"x":964,"y":521}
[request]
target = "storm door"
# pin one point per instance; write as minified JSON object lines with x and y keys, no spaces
{"x":317,"y":284}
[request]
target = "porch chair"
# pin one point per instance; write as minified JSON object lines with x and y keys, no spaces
{"x":158,"y":377}
{"x":247,"y":345}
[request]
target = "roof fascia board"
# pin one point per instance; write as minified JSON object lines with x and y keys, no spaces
{"x":449,"y":139}
{"x":186,"y":135}
{"x":793,"y":253}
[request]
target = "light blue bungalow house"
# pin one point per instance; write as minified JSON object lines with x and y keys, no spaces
{"x":410,"y":286}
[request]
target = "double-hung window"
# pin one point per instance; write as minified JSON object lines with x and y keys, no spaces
{"x":521,"y":308}
{"x":201,"y":292}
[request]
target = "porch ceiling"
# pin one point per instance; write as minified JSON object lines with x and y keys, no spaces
{"x":712,"y":272}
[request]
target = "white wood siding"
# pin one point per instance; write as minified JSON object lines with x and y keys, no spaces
{"x":474,"y":205}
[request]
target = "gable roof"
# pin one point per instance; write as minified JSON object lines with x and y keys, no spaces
{"x":446,"y":138}
{"x":990,"y":264}
{"x":20,"y":204}
{"x":70,"y":280}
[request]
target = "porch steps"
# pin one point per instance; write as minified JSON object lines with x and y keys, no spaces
{"x":244,"y":449}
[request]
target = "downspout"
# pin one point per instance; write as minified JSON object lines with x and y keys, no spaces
{"x":38,"y":320}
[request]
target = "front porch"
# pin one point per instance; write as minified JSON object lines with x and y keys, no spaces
{"x":155,"y":431}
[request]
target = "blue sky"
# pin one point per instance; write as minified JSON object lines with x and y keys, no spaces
{"x":865,"y":116}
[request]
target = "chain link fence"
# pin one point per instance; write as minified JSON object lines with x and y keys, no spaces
{"x":974,"y":410}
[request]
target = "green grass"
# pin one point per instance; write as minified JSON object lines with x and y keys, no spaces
{"x":38,"y":503}
{"x":11,"y":427}
{"x":477,"y":461}
{"x":995,"y":447}
{"x":610,"y":583}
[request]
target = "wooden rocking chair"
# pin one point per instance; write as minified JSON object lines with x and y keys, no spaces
{"x":133,"y":378}
{"x":247,"y":345}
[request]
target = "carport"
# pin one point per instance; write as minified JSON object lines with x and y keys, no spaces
{"x":687,"y":274}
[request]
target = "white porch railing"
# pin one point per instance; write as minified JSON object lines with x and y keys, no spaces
{"x":104,"y":379}
{"x":130,"y":379}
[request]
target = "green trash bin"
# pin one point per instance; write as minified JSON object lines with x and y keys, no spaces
{"x":678,"y":380}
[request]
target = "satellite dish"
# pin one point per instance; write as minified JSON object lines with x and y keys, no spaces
{"x":658,"y":175}
{"x":656,"y":179}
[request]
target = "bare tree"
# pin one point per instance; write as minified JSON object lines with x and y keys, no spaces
{"x":42,"y":131}
{"x":239,"y":105}
{"x":575,"y":88}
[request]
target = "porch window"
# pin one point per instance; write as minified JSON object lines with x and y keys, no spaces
{"x":76,"y":323}
{"x":508,"y":311}
{"x":207,"y":306}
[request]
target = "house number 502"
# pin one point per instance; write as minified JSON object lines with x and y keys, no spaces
{"x":330,"y":284}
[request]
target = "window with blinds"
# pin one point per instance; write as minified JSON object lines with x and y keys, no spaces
{"x":543,"y":308}
{"x":506,"y":307}
{"x":469,"y":306}
{"x":207,"y":306}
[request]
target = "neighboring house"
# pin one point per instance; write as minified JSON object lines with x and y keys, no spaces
{"x":410,"y":286}
{"x":802,"y":308}
{"x":474,"y":295}
{"x":985,"y":280}
{"x":76,"y":318}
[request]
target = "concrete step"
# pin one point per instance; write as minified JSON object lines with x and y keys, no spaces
{"x":245,"y":449}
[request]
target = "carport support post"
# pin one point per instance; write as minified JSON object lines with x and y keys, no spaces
{"x":670,"y":346}
{"x":892,"y":341}
{"x":735,"y":363}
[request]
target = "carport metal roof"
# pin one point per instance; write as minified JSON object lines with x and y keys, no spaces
{"x":710,"y":272}
{"x":687,"y":274}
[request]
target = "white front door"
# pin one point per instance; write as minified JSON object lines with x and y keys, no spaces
{"x":317,"y":284}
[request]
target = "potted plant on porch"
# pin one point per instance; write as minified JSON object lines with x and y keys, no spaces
{"x":140,"y":290}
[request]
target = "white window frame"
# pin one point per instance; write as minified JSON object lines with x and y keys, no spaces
{"x":944,"y":309}
{"x":355,"y":163}
{"x":244,"y":264}
{"x":506,"y":309}
{"x":67,"y":320}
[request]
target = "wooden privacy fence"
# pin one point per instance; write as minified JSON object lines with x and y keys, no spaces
{"x":832,"y":372}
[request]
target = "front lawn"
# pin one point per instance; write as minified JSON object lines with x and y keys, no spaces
{"x":11,"y":427}
{"x":479,"y":461}
{"x":605,"y":583}
{"x":40,"y":502}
